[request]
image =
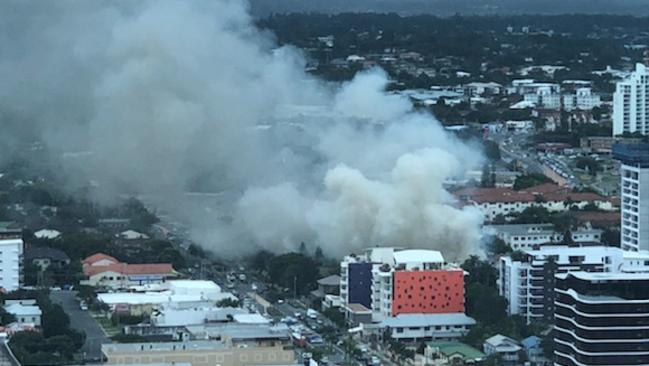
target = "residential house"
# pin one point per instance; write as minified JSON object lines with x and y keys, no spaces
{"x":534,"y":351}
{"x":450,"y":354}
{"x":102,"y":270}
{"x":506,"y":348}
{"x":44,"y":257}
{"x":26,"y":312}
{"x":47,"y":234}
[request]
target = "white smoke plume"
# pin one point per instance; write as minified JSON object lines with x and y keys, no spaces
{"x":171,"y":96}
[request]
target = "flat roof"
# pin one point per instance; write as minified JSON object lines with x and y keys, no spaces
{"x":194,"y":284}
{"x":239,"y":331}
{"x":418,"y":256}
{"x":333,"y":280}
{"x":357,"y":308}
{"x":606,"y":276}
{"x":424,"y":320}
{"x":525,"y":229}
{"x":163,"y":346}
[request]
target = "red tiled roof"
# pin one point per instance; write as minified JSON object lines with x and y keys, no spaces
{"x":547,"y":191}
{"x":131,"y":269}
{"x":546,"y":188}
{"x":599,"y":218}
{"x":485,"y":195}
{"x":98,"y":257}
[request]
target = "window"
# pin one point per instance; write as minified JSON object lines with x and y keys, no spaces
{"x":399,"y":330}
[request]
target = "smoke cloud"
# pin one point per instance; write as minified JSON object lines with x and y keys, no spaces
{"x":190,"y":106}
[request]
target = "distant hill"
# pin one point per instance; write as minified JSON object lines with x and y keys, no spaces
{"x":450,"y":7}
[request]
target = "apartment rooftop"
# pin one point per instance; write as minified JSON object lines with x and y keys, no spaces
{"x":606,"y":276}
{"x":163,"y":346}
{"x":425,"y":320}
{"x":524,"y":229}
{"x":240,"y":332}
{"x":632,"y":154}
{"x":418,"y":256}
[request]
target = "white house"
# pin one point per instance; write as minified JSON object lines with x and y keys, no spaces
{"x":133,"y":235}
{"x":26,"y":312}
{"x":506,"y":347}
{"x":47,"y":234}
{"x":529,"y":236}
{"x":420,"y":327}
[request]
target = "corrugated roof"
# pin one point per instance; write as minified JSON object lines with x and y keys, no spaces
{"x":451,"y":348}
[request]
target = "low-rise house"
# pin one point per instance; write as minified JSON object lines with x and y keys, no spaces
{"x":10,"y":230}
{"x":133,"y":235}
{"x":493,"y":202}
{"x":26,"y":312}
{"x":329,"y":285}
{"x":44,"y":257}
{"x":102,"y":270}
{"x":531,"y":236}
{"x":534,"y":351}
{"x":506,"y":348}
{"x":178,"y":293}
{"x":47,"y":234}
{"x":427,"y":327}
{"x":450,"y":353}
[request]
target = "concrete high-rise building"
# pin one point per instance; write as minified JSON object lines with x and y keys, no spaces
{"x":634,"y":194}
{"x":11,"y":256}
{"x":528,"y":282}
{"x":631,"y":103}
{"x":601,"y":319}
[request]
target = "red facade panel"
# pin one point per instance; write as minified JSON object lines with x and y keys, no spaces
{"x":428,"y":292}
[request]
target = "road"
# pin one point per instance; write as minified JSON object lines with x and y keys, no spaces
{"x":82,"y":321}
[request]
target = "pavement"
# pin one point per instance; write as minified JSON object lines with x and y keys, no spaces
{"x":82,"y":321}
{"x":5,"y":358}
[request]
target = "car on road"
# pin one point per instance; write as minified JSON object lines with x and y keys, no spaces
{"x":83,"y":306}
{"x":253,"y":287}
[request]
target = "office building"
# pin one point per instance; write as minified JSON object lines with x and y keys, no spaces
{"x":527,"y":282}
{"x":601,"y":319}
{"x":634,"y":188}
{"x":631,"y":103}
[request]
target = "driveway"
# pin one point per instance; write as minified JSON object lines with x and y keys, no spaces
{"x":82,"y":321}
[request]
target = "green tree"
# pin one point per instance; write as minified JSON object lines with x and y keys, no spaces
{"x":480,"y":272}
{"x":492,"y":150}
{"x":530,"y":180}
{"x":498,"y":247}
{"x":484,"y":304}
{"x":294,"y":271}
{"x":5,"y":317}
{"x":533,"y":215}
{"x":611,"y":237}
{"x":228,"y":303}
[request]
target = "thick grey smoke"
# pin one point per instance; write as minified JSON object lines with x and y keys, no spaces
{"x":169,"y":97}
